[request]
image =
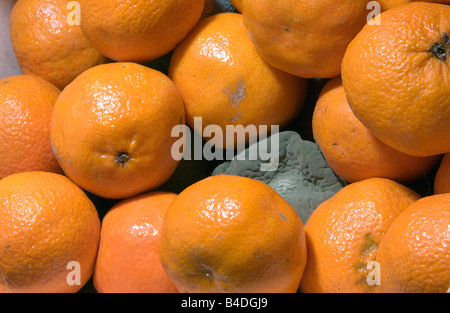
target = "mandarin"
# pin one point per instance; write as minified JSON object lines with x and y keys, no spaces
{"x":302,"y":37}
{"x":232,"y":234}
{"x":128,"y":259}
{"x":138,"y":31}
{"x":49,"y":234}
{"x":414,"y":255}
{"x":46,"y":45}
{"x":223,"y":80}
{"x":389,"y":4}
{"x":352,"y":151}
{"x":396,"y":76}
{"x":26,"y":107}
{"x":442,"y":178}
{"x":111,"y":129}
{"x":344,"y":232}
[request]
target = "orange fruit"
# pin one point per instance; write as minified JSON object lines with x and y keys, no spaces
{"x":49,"y":234}
{"x":414,"y":255}
{"x":344,"y":232}
{"x":26,"y":106}
{"x":352,"y":151}
{"x":396,"y":76}
{"x":111,"y":129}
{"x":128,"y":259}
{"x":138,"y":31}
{"x":46,"y":45}
{"x":229,"y":233}
{"x":389,"y":4}
{"x":223,"y":80}
{"x":442,"y":178}
{"x":304,"y":38}
{"x":238,"y":4}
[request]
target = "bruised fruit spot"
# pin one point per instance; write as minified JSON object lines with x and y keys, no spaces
{"x":122,"y":158}
{"x":236,"y":96}
{"x":360,"y":267}
{"x":361,"y":270}
{"x":369,"y":244}
{"x":236,"y":117}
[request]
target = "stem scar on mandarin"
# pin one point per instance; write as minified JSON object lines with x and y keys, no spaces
{"x":439,"y":49}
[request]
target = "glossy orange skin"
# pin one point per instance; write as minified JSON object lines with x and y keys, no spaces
{"x":128,"y":258}
{"x":442,"y":178}
{"x":414,"y":255}
{"x":302,"y":37}
{"x":112,"y":111}
{"x":46,"y":221}
{"x":352,"y":151}
{"x":26,"y":106}
{"x":344,"y":232}
{"x":223,"y":80}
{"x":46,"y":45}
{"x":138,"y":31}
{"x":389,"y":4}
{"x":232,"y":234}
{"x":395,"y":85}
